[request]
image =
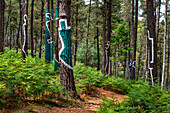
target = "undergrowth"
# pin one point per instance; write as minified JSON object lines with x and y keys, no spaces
{"x":36,"y":79}
{"x":30,"y":79}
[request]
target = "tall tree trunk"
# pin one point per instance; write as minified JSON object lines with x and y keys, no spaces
{"x":139,"y":59}
{"x":97,"y":36}
{"x":152,"y":41}
{"x":7,"y":24}
{"x":56,"y":63}
{"x":41,"y":36}
{"x":157,"y":19}
{"x":104,"y":36}
{"x":19,"y":26}
{"x":164,"y":52}
{"x":128,"y":61}
{"x":88,"y":24}
{"x":48,"y":39}
{"x":134,"y":39}
{"x":13,"y":37}
{"x":51,"y":29}
{"x":25,"y":28}
{"x":109,"y":31}
{"x":167,"y":78}
{"x":10,"y":40}
{"x":76,"y":34}
{"x":2,"y":7}
{"x":32,"y":36}
{"x":66,"y":69}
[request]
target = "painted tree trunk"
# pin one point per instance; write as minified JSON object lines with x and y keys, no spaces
{"x":88,"y":24}
{"x":134,"y":40}
{"x":76,"y":34}
{"x":2,"y":6}
{"x":109,"y":31}
{"x":51,"y":29}
{"x":66,"y":69}
{"x":25,"y":28}
{"x":56,"y":62}
{"x":164,"y":52}
{"x":42,"y":10}
{"x":48,"y":39}
{"x":152,"y":45}
{"x":104,"y":36}
{"x":32,"y":36}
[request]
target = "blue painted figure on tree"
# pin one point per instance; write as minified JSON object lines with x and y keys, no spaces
{"x":130,"y":67}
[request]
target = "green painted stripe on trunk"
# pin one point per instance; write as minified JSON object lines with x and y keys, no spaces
{"x":65,"y":37}
{"x":57,"y":13}
{"x":47,"y":36}
{"x":51,"y":44}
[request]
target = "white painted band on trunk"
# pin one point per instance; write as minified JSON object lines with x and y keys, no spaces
{"x":25,"y":23}
{"x":151,"y":75}
{"x":152,"y":61}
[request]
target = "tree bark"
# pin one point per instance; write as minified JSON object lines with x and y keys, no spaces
{"x":51,"y":29}
{"x":134,"y":40}
{"x":66,"y":70}
{"x":56,"y":62}
{"x":164,"y":51}
{"x":152,"y":41}
{"x":157,"y":19}
{"x":104,"y":36}
{"x":76,"y":34}
{"x":167,"y":78}
{"x":25,"y":28}
{"x":19,"y":27}
{"x":32,"y":36}
{"x":97,"y":36}
{"x":88,"y":24}
{"x":2,"y":7}
{"x":41,"y":36}
{"x":10,"y":40}
{"x":109,"y":31}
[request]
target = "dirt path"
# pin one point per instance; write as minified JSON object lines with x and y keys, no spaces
{"x":90,"y":104}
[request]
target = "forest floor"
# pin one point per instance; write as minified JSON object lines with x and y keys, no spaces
{"x":90,"y":104}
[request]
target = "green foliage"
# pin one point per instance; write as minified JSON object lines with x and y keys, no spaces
{"x":86,"y":77}
{"x":20,"y":80}
{"x":142,"y":98}
{"x":92,"y":52}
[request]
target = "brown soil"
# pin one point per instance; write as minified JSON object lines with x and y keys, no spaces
{"x":90,"y":104}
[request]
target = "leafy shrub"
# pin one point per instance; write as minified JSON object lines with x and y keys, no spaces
{"x":20,"y":80}
{"x":142,"y":98}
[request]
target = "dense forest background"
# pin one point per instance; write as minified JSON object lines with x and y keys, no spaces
{"x":127,"y":39}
